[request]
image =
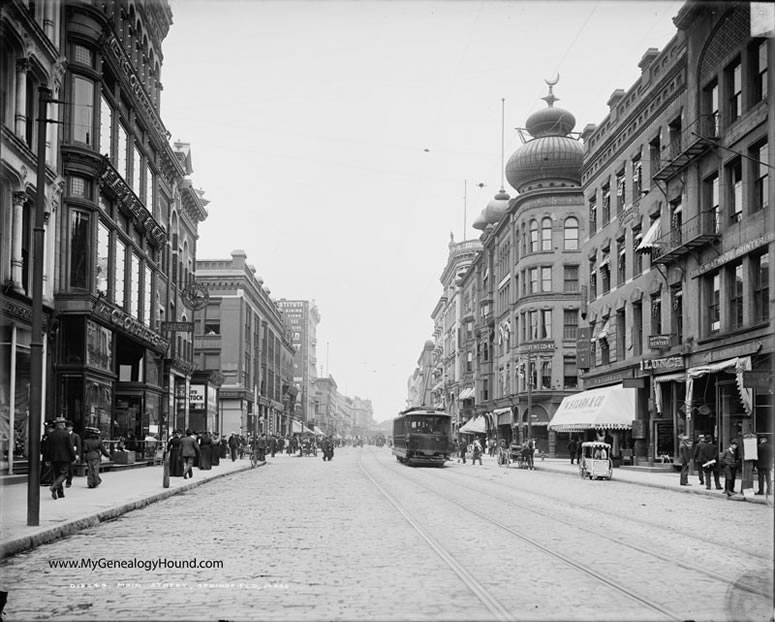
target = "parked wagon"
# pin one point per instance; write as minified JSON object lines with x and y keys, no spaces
{"x":595,"y":462}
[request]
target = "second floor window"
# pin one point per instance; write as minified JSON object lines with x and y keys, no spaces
{"x":714,"y":302}
{"x":761,"y":287}
{"x":736,"y":295}
{"x":760,"y":157}
{"x":712,"y":205}
{"x":734,"y":80}
{"x":570,"y":323}
{"x":570,"y":279}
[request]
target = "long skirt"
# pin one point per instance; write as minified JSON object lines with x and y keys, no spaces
{"x":204,"y":458}
{"x":176,"y":463}
{"x":215,"y":454}
{"x":93,"y":478}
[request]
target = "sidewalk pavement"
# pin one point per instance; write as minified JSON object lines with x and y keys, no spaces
{"x":130,"y":489}
{"x":83,"y":507}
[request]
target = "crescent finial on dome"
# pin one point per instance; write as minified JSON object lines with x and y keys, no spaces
{"x":550,"y":98}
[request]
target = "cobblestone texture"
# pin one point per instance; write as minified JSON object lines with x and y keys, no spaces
{"x":303,"y":539}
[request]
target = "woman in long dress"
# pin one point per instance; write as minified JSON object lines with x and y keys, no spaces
{"x":93,"y":450}
{"x":176,"y":461}
{"x":215,"y":450}
{"x":205,"y":443}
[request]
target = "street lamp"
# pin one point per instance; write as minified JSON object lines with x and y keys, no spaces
{"x":36,"y":341}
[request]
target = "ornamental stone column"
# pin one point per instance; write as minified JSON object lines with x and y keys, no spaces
{"x":17,"y":226}
{"x":22,"y":66}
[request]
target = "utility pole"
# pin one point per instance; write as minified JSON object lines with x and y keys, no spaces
{"x":36,"y":340}
{"x":529,"y":395}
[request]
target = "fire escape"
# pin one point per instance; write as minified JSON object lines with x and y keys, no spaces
{"x":685,"y":148}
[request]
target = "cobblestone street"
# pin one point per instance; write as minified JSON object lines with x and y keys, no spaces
{"x":363,"y":537}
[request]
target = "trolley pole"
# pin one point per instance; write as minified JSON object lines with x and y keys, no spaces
{"x":36,"y":340}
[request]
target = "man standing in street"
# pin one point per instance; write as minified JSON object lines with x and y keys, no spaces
{"x":763,"y":466}
{"x":696,"y":457}
{"x":76,"y":442}
{"x":572,"y":446}
{"x":728,"y":463}
{"x":709,"y":460}
{"x":685,"y":453}
{"x":61,"y":454}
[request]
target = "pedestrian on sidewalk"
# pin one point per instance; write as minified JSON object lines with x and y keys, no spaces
{"x":572,"y":449}
{"x":764,"y":465}
{"x":46,"y":471}
{"x":234,"y":444}
{"x":62,"y":454}
{"x":728,"y":462}
{"x":75,"y":439}
{"x":685,"y":454}
{"x":273,"y":445}
{"x":696,"y":457}
{"x":709,"y":457}
{"x":176,"y":460}
{"x":205,"y":447}
{"x":215,"y":450}
{"x":189,"y":449}
{"x":530,"y":448}
{"x":93,"y":450}
{"x":579,"y":449}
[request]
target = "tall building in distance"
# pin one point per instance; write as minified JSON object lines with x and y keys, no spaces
{"x":303,"y":318}
{"x":243,"y":336}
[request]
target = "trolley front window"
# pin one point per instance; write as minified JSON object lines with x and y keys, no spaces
{"x":429,"y":424}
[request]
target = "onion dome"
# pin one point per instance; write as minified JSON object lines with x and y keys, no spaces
{"x":480,"y":223}
{"x":551,"y":158}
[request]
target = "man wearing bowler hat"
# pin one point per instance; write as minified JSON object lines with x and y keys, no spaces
{"x":61,"y":453}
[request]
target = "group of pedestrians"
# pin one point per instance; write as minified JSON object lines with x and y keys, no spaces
{"x":63,"y":450}
{"x":711,"y":462}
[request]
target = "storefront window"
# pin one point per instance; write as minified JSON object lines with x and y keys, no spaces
{"x":83,"y":110}
{"x":106,"y":124}
{"x":71,"y":340}
{"x":134,"y":285}
{"x":127,"y":420}
{"x":118,"y":294}
{"x":14,"y":398}
{"x":79,"y":245}
{"x":147,"y":305}
{"x":99,"y":405}
{"x":71,"y":399}
{"x":99,"y":346}
{"x":102,"y":265}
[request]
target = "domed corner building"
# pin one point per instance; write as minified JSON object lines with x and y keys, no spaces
{"x":537,"y":340}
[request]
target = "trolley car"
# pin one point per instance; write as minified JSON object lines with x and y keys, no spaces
{"x":422,"y":436}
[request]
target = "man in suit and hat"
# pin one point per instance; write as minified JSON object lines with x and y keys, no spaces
{"x":77,"y":446}
{"x":61,"y":453}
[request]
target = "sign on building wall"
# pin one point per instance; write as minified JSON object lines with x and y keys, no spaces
{"x":196,"y":396}
{"x":582,"y":347}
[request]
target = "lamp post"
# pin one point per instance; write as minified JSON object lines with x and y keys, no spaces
{"x":36,"y":340}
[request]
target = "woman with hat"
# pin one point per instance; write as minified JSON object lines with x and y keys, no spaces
{"x":93,"y":450}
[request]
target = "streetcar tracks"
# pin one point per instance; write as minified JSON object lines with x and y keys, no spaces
{"x":591,"y":508}
{"x":582,"y":568}
{"x":498,"y":611}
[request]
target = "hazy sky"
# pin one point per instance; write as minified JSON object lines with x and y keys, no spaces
{"x":335,"y":141}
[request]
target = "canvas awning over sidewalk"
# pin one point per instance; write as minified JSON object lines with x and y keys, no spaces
{"x":474,"y":426}
{"x":606,"y":408}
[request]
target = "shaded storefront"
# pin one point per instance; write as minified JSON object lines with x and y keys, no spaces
{"x":606,"y":412}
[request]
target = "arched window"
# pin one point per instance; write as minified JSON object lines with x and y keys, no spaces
{"x":533,"y":236}
{"x":546,"y":234}
{"x":571,"y":234}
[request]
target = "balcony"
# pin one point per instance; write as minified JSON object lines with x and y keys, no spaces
{"x":698,"y":231}
{"x":690,"y":144}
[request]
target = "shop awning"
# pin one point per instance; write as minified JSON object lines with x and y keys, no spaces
{"x":607,"y":408}
{"x":649,"y":240}
{"x":466,"y":394}
{"x":732,"y":366}
{"x":299,"y":428}
{"x":502,"y":416}
{"x":318,"y":431}
{"x":474,"y":426}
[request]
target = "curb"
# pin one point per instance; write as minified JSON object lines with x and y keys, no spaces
{"x":24,"y":543}
{"x":697,"y":491}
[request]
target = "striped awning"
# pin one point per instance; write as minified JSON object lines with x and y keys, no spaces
{"x":649,"y":240}
{"x":466,"y":394}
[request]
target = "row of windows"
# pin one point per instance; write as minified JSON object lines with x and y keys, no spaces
{"x":737,"y":295}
